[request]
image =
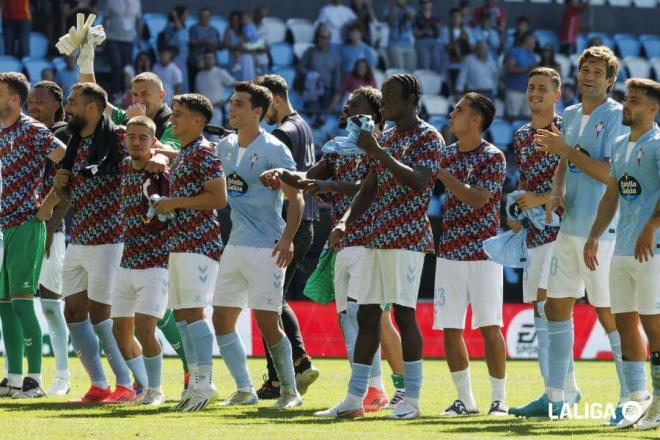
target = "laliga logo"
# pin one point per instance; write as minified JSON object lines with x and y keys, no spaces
{"x":631,"y":411}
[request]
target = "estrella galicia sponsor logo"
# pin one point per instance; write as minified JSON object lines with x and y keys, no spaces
{"x":236,"y":186}
{"x":629,"y":188}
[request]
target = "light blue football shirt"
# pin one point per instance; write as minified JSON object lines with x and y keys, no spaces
{"x":256,"y":211}
{"x":638,"y":181}
{"x":583,"y":193}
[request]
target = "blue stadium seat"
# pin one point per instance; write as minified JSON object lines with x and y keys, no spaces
{"x":295,"y":98}
{"x":155,"y":22}
{"x":220,"y":24}
{"x":267,"y":127}
{"x":10,"y":64}
{"x":438,"y":122}
{"x":223,"y":57}
{"x":515,"y":125}
{"x":628,"y":45}
{"x":59,"y":63}
{"x":652,"y":47}
{"x":547,"y":36}
{"x":580,"y":43}
{"x":38,"y":45}
{"x":286,"y":72}
{"x":281,"y":54}
{"x":501,"y":133}
{"x":35,"y":66}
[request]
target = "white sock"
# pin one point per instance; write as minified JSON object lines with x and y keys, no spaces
{"x":63,"y":374}
{"x":570,"y":384}
{"x":15,"y":380}
{"x":203,"y":379}
{"x":498,"y":389}
{"x":192,"y":370}
{"x":464,"y":388}
{"x":555,"y":394}
{"x":351,"y":401}
{"x":377,"y":382}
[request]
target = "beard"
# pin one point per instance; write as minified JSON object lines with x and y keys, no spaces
{"x":76,"y":124}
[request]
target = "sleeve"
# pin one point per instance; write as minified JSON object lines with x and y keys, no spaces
{"x":282,"y":137}
{"x":168,"y":138}
{"x":226,"y":78}
{"x":611,"y":168}
{"x":119,"y":116}
{"x":492,"y":173}
{"x":615,"y":130}
{"x":327,"y":161}
{"x":515,"y":144}
{"x":428,"y":156}
{"x":178,"y":75}
{"x":48,"y":141}
{"x":209,"y":166}
{"x":280,"y":157}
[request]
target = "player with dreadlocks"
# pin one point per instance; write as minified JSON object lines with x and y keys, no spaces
{"x":45,"y":104}
{"x":394,"y":195}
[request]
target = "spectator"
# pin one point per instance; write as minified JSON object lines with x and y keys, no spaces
{"x":16,"y":27}
{"x":143,"y":43}
{"x":127,"y":76}
{"x":362,"y":75}
{"x":169,"y":72}
{"x":495,"y":14}
{"x":48,"y":74}
{"x":400,"y":50}
{"x":69,"y":75}
{"x":466,"y":11}
{"x":203,"y":37}
{"x":212,"y":80}
{"x":456,"y":40}
{"x":522,"y":27}
{"x":570,"y":25}
{"x":484,"y":31}
{"x":122,"y":25}
{"x":568,"y":97}
{"x":355,"y":48}
{"x":335,"y":16}
{"x":427,"y":30}
{"x":143,"y":62}
{"x":261,"y":55}
{"x":364,"y":11}
{"x":548,"y":58}
{"x":242,"y":60}
{"x":321,"y":62}
{"x":176,"y":34}
{"x":518,"y":62}
{"x":479,"y":72}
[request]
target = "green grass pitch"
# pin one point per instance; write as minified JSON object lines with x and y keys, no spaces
{"x":55,"y":418}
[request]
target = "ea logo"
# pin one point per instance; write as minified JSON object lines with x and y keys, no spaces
{"x":632,"y":411}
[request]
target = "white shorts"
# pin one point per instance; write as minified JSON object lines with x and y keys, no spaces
{"x":91,"y":268}
{"x":191,"y":280}
{"x":51,"y":267}
{"x":635,"y":286}
{"x":536,"y":274}
{"x":569,"y":275}
{"x":141,"y":291}
{"x":459,"y":283}
{"x":390,"y":276}
{"x":348,"y":267}
{"x":249,"y":277}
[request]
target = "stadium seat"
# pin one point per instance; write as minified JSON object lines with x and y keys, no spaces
{"x":438,"y":122}
{"x":274,"y":30}
{"x":9,"y":63}
{"x":223,"y":57}
{"x":541,"y":1}
{"x":547,"y":36}
{"x":628,"y":45}
{"x":645,"y":3}
{"x":620,"y":3}
{"x":564,"y":64}
{"x":515,"y":125}
{"x":379,"y":77}
{"x":580,"y":43}
{"x":501,"y":133}
{"x":637,"y":67}
{"x":38,"y":45}
{"x":651,"y":47}
{"x":220,"y":24}
{"x":435,"y":105}
{"x":295,"y":98}
{"x":155,"y":22}
{"x":655,"y":63}
{"x":35,"y":66}
{"x":281,"y":54}
{"x":299,"y":49}
{"x":500,"y":108}
{"x":301,"y":29}
{"x":59,"y":63}
{"x":607,"y":39}
{"x":394,"y":71}
{"x":286,"y":72}
{"x":430,"y":80}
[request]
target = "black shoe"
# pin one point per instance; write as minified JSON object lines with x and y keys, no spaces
{"x":268,"y":391}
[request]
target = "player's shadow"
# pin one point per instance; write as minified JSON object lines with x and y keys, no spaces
{"x":77,"y":410}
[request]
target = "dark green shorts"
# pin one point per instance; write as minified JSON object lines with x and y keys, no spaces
{"x":23,"y":254}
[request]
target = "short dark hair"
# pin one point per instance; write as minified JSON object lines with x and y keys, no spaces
{"x":482,"y":105}
{"x":411,"y":85}
{"x":17,"y":84}
{"x":647,"y":86}
{"x":196,"y":103}
{"x":56,"y":92}
{"x":94,"y":93}
{"x":373,"y":97}
{"x":260,"y":96}
{"x":547,"y":72}
{"x":275,"y":83}
{"x":144,"y":122}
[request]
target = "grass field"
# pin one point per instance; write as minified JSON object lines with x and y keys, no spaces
{"x":55,"y":418}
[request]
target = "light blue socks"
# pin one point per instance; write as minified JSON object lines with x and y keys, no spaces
{"x":86,"y":345}
{"x":233,"y":353}
{"x":109,"y":345}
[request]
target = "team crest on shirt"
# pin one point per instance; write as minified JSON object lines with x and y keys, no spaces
{"x":640,"y":154}
{"x":254,"y":157}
